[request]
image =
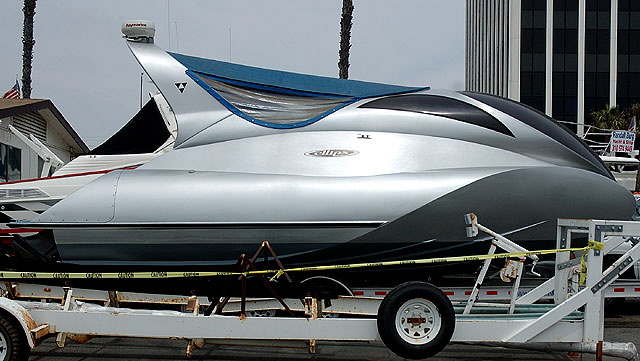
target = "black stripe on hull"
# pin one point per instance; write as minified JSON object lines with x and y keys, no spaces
{"x":264,"y":225}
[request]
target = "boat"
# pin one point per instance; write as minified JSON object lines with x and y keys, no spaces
{"x":150,"y":133}
{"x":329,"y":171}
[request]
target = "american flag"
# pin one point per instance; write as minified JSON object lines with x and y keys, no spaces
{"x":632,"y":125}
{"x":13,"y":93}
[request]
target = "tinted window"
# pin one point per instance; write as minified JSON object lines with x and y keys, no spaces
{"x":14,"y":161}
{"x":544,"y":124}
{"x":442,"y":106}
{"x":3,"y":163}
{"x":10,"y":163}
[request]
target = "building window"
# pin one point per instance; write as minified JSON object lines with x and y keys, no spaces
{"x":628,"y":52}
{"x":597,"y":40}
{"x":565,"y":61}
{"x":41,"y":166}
{"x":10,"y":163}
{"x":532,"y":53}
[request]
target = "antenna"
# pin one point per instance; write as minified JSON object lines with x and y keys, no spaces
{"x":169,"y":24}
{"x":229,"y":44}
{"x":141,"y":75}
{"x":177,"y":40}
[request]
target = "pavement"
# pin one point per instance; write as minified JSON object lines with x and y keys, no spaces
{"x":622,"y":324}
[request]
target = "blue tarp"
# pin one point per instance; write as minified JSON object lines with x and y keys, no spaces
{"x":279,"y":99}
{"x":303,"y":83}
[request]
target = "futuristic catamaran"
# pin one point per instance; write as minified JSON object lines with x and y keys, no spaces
{"x":327,"y":170}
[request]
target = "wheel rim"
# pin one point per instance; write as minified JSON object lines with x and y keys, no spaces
{"x":418,"y":321}
{"x":4,"y":346}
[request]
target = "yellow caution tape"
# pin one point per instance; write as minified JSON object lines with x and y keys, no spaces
{"x":596,"y":245}
{"x":583,"y":262}
{"x":109,"y":275}
{"x":583,"y":270}
{"x":277,"y":275}
{"x":278,"y":272}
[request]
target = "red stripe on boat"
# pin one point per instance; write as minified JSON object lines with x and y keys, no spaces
{"x":67,"y":175}
{"x":18,"y":230}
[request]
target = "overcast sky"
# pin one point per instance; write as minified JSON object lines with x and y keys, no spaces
{"x":82,"y":63}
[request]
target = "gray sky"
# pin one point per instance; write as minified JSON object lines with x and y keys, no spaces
{"x":82,"y":64}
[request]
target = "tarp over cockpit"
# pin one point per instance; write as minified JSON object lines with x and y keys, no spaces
{"x":279,"y":99}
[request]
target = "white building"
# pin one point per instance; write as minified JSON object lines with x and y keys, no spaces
{"x":40,"y":119}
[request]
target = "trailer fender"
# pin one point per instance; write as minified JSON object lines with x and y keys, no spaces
{"x":22,"y":317}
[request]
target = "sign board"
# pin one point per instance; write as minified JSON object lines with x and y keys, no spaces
{"x":622,"y":141}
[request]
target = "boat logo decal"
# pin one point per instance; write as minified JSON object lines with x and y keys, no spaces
{"x":181,"y":86}
{"x":331,"y":153}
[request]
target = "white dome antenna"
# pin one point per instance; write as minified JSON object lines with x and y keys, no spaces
{"x":139,"y":30}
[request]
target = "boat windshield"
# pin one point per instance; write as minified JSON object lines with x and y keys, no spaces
{"x":271,"y":107}
{"x":543,"y":123}
{"x":441,"y":106}
{"x":279,"y":99}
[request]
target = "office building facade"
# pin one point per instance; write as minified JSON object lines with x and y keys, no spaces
{"x":566,"y":58}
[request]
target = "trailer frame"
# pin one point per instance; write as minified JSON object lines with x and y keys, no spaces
{"x":558,"y":326}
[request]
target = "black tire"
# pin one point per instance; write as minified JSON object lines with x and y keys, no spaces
{"x":432,"y":326}
{"x":613,"y":306}
{"x":13,"y":341}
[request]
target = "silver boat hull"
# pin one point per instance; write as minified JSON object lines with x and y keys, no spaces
{"x":418,"y":221}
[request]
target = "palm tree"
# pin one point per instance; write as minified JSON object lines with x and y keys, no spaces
{"x":633,"y":111}
{"x":29,"y":10}
{"x":346,"y":21}
{"x":609,"y":118}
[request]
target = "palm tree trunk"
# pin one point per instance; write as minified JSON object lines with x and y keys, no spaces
{"x":346,"y":21}
{"x":29,"y":10}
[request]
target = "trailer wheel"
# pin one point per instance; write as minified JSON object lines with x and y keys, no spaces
{"x":416,"y":320}
{"x":13,"y":342}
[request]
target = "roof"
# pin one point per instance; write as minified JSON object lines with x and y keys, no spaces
{"x":12,"y":107}
{"x":9,"y":104}
{"x":303,"y":83}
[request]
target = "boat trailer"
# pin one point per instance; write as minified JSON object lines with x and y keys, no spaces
{"x":414,"y":320}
